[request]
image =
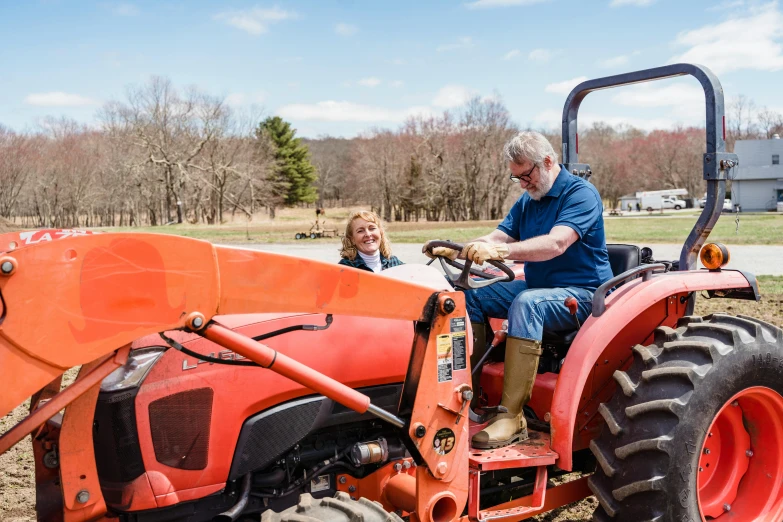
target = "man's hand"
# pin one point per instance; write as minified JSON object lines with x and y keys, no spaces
{"x":480,"y":252}
{"x":432,"y":253}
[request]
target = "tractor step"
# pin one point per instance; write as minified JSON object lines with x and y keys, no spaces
{"x":533,"y":452}
{"x":535,"y":502}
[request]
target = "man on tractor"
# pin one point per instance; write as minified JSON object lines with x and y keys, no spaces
{"x":556,"y":227}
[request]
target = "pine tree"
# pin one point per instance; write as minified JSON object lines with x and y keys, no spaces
{"x":293,"y":161}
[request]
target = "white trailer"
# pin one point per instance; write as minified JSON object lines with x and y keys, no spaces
{"x":661,"y":199}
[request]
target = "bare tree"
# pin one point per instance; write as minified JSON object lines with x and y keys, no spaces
{"x":173,"y":130}
{"x":18,"y":155}
{"x":332,"y":160}
{"x":740,"y":113}
{"x":770,"y":122}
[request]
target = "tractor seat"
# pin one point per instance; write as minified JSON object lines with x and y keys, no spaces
{"x":621,"y":258}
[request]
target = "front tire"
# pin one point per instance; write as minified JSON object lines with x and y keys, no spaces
{"x":341,"y":508}
{"x":695,"y":429}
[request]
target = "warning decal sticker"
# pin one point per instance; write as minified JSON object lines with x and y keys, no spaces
{"x":458,"y":343}
{"x":444,"y":357}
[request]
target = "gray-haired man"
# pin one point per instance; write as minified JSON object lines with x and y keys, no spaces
{"x":556,"y":227}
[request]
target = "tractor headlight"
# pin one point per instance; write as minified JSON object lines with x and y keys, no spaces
{"x":714,"y":255}
{"x":133,"y":372}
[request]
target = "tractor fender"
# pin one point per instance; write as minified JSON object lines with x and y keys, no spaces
{"x":633,"y":311}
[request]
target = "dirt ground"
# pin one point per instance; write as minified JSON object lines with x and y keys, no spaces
{"x":17,"y":481}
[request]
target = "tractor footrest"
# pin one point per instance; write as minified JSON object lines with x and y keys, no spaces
{"x":534,"y":452}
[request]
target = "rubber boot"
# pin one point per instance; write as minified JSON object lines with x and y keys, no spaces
{"x":519,"y":375}
{"x":479,"y":349}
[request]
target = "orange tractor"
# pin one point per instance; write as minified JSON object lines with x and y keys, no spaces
{"x":228,"y":384}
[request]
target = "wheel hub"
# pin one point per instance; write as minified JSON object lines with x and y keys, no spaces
{"x":740,"y":470}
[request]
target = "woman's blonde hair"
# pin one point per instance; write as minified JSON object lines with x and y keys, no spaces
{"x":349,"y":250}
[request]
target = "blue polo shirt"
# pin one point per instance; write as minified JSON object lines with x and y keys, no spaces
{"x":571,"y":202}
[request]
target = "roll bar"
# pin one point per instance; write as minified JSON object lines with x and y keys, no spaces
{"x":717,"y":162}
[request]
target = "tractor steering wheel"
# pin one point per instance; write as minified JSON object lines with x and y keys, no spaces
{"x":461,"y":277}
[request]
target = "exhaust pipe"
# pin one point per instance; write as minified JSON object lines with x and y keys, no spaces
{"x":232,"y":514}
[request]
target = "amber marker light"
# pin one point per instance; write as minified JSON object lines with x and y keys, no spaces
{"x":714,"y":256}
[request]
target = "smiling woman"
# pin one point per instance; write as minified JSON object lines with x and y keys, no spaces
{"x":365,"y":244}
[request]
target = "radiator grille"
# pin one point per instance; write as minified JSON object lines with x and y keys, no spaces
{"x":115,"y":438}
{"x":180,"y":428}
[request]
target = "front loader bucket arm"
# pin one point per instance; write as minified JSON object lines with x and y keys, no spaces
{"x":71,"y":301}
{"x":85,"y":299}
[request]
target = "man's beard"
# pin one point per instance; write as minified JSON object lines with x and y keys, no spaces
{"x":543,"y":186}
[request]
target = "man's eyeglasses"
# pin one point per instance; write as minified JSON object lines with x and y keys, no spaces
{"x":522,"y":177}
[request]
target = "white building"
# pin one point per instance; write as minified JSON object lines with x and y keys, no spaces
{"x":758,"y":185}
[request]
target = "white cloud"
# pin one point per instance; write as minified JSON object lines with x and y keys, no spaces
{"x":463,"y":43}
{"x":343,"y":111}
{"x":638,"y":3}
{"x":511,"y":54}
{"x":121,"y":9}
{"x":749,"y":41}
{"x":345,"y":29}
{"x":540,"y":55}
{"x":398,"y":61}
{"x":58,"y":99}
{"x":488,"y":4}
{"x":254,"y":21}
{"x":397,"y":83}
{"x":611,"y":63}
{"x":452,"y":96}
{"x":564,"y":87}
{"x":370,"y":82}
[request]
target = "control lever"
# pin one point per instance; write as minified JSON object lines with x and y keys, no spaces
{"x":573,"y":307}
{"x":500,"y":337}
{"x":489,"y":412}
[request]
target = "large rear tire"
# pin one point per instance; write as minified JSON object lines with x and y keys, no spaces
{"x":695,"y":429}
{"x":341,"y":508}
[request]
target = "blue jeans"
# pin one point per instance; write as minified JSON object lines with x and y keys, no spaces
{"x":528,"y":310}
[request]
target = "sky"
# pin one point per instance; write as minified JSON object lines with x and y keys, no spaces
{"x":341,"y":68}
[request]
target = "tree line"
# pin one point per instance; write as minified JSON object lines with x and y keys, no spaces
{"x":160,"y":156}
{"x":167,"y":155}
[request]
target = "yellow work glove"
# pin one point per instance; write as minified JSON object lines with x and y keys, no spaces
{"x":432,"y":253}
{"x":480,"y":252}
